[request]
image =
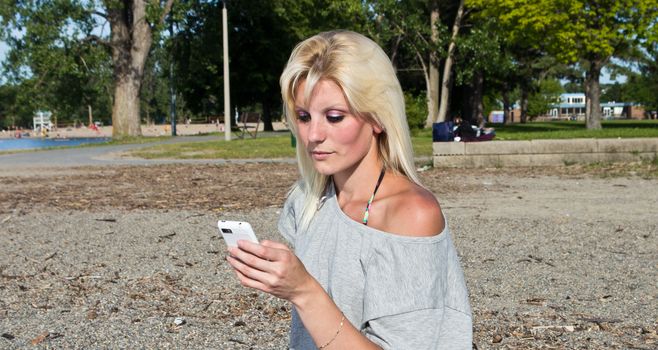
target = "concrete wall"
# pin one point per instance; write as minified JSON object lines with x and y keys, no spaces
{"x":542,"y":152}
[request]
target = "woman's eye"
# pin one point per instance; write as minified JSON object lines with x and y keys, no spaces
{"x":335,"y":118}
{"x":303,"y":117}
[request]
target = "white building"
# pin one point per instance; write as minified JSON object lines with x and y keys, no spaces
{"x":572,"y":107}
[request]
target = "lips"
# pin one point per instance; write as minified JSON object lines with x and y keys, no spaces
{"x":320,"y":155}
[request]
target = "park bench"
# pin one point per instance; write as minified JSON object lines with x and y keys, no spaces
{"x":246,"y":125}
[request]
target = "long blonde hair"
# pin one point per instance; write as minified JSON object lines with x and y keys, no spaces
{"x":365,"y":74}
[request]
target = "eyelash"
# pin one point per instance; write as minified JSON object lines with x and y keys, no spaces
{"x":335,"y":118}
{"x":305,"y":117}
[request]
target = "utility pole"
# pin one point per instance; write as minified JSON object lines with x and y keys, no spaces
{"x":227,"y":90}
{"x":172,"y":89}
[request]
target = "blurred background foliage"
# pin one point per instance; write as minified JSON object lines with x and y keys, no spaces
{"x":506,"y":52}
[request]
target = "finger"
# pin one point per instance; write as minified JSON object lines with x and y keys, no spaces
{"x":273,"y":244}
{"x":261,"y":251}
{"x":251,"y":283}
{"x":251,"y":259}
{"x":247,"y":270}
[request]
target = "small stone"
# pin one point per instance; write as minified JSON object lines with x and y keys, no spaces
{"x":179,"y":321}
{"x":497,"y":338}
{"x":92,"y":315}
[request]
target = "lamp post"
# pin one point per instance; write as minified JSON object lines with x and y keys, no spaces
{"x":172,"y":89}
{"x":227,"y":92}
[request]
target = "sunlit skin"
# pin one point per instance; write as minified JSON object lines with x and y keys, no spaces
{"x":337,"y":141}
{"x":344,"y":146}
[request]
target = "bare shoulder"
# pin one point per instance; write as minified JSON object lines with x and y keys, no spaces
{"x":412,"y":210}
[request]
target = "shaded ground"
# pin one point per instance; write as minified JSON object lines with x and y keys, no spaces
{"x":195,"y":187}
{"x":102,"y":257}
{"x":235,"y":186}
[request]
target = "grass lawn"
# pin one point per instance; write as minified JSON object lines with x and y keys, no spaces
{"x":571,"y":130}
{"x":280,"y":146}
{"x":266,"y":147}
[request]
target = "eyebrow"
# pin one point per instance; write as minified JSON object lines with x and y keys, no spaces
{"x":341,"y":108}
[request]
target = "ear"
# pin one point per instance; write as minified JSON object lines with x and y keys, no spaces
{"x":377,"y":129}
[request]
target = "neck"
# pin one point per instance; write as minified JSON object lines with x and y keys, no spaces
{"x":358,"y":181}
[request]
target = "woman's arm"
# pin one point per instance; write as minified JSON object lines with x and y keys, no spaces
{"x":272,"y":268}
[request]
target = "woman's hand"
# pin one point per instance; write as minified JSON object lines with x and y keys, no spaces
{"x":272,"y":268}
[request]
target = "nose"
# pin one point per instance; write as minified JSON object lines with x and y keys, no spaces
{"x":316,"y":130}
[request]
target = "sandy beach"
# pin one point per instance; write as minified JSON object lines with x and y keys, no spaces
{"x":129,"y":256}
{"x":150,"y":130}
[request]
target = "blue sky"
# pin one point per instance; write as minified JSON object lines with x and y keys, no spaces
{"x":3,"y":50}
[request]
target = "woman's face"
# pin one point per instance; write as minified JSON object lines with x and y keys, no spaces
{"x":335,"y":139}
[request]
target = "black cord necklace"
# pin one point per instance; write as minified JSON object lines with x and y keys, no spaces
{"x":379,"y":182}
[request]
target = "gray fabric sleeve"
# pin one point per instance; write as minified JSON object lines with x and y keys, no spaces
{"x":416,"y":298}
{"x":422,"y":329}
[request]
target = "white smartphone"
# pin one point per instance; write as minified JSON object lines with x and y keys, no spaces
{"x":233,"y":231}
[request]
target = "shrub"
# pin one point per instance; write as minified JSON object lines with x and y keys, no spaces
{"x":416,"y":110}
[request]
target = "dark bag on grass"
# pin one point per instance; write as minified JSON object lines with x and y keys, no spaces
{"x":442,"y":132}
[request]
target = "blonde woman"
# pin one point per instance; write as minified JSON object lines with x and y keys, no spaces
{"x":373,"y":263}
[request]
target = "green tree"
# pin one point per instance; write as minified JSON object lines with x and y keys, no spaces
{"x":481,"y":63}
{"x":589,"y":32}
{"x":642,"y":86}
{"x":614,"y":92}
{"x":47,"y":70}
{"x":548,"y":93}
{"x":43,"y":34}
{"x":261,"y":37}
{"x":155,"y":95}
{"x":428,"y":31}
{"x":8,"y":114}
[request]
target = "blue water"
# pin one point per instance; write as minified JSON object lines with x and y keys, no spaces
{"x":32,"y":143}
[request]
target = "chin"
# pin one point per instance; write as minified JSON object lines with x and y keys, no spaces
{"x":325,"y":169}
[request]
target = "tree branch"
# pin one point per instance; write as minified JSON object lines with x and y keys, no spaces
{"x":100,"y":14}
{"x":98,"y":40}
{"x":167,"y":9}
{"x":422,"y":63}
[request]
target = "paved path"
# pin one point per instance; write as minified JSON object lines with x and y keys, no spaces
{"x":107,"y":155}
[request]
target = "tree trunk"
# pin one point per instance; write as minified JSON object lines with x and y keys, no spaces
{"x":433,"y":83}
{"x":524,"y":104}
{"x":477,"y":106}
{"x":130,"y":41}
{"x":506,"y":105}
{"x":394,"y":52}
{"x":447,"y":68}
{"x":267,"y":117}
{"x":593,"y":95}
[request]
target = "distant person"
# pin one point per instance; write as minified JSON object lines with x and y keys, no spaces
{"x":467,"y":132}
{"x":374,"y":265}
{"x":482,"y":126}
